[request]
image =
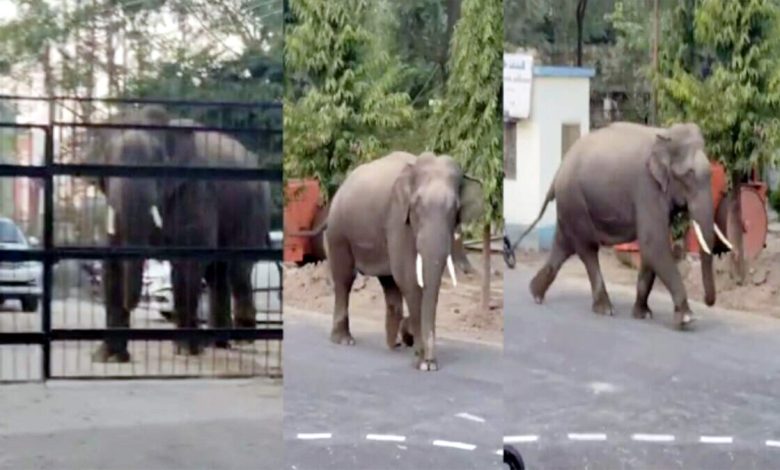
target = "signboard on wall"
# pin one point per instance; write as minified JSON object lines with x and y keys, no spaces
{"x":518,"y":75}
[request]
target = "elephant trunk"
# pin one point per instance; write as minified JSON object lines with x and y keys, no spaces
{"x":433,"y":257}
{"x":132,"y":277}
{"x":703,"y":222}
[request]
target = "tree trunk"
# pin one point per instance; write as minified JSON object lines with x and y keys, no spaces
{"x":738,"y":262}
{"x":582,"y":5}
{"x":453,"y":13}
{"x":486,"y":252}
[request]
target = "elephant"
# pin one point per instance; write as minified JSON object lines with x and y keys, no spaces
{"x":395,"y":218}
{"x":181,"y":213}
{"x":625,"y":182}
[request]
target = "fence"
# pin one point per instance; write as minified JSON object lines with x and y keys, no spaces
{"x":76,"y":176}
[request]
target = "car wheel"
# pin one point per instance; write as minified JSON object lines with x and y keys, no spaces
{"x":29,"y":304}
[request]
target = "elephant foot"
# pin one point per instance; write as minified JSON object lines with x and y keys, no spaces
{"x":603,"y":307}
{"x":428,"y":365}
{"x":342,"y":337}
{"x":407,"y":338}
{"x":642,"y":311}
{"x":540,"y":283}
{"x":683,"y":319}
{"x":189,"y":348}
{"x":104,"y":354}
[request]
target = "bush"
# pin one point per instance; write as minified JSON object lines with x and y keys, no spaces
{"x":774,"y":199}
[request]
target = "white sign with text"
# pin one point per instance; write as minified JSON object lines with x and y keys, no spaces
{"x":518,"y":75}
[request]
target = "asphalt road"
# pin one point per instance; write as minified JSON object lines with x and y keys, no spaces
{"x":584,"y":391}
{"x":192,"y":424}
{"x":336,"y":396}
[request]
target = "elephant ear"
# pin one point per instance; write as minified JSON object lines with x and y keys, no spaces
{"x":402,"y":192}
{"x":660,"y":161}
{"x":472,"y":200}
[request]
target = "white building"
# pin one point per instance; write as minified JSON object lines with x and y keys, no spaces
{"x":559,"y":113}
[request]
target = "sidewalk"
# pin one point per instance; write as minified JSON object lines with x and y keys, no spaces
{"x":173,"y":424}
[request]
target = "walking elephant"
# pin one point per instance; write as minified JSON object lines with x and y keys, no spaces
{"x":395,"y":218}
{"x":622,"y":183}
{"x":181,"y":213}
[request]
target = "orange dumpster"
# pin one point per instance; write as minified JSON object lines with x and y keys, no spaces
{"x":302,"y":199}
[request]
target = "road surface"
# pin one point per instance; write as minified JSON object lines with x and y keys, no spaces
{"x":194,"y":424}
{"x":584,"y":391}
{"x":365,"y":407}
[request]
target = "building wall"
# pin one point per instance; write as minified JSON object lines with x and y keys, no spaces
{"x":556,"y":101}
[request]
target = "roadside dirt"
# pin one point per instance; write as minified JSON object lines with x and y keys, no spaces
{"x":758,"y":295}
{"x":458,"y":314}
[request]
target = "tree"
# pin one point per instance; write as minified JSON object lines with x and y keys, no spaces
{"x":468,"y":126}
{"x":342,"y":98}
{"x":582,"y":6}
{"x":725,"y":77}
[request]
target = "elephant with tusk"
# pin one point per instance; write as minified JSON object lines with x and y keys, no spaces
{"x":395,"y":218}
{"x":624,"y":182}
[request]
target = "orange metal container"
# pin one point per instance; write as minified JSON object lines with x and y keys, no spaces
{"x":302,"y":199}
{"x":718,"y":184}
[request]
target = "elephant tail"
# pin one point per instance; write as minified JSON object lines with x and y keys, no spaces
{"x":547,"y":199}
{"x":311,"y":233}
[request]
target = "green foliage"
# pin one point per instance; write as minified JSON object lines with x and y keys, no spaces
{"x":725,"y":77}
{"x":342,"y":99}
{"x":468,"y":126}
{"x":774,"y":200}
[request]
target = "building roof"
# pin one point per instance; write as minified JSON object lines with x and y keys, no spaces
{"x":563,"y":71}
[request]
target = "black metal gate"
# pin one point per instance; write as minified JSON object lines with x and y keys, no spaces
{"x":50,"y":343}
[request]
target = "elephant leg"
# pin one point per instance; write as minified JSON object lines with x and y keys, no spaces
{"x":219,"y":298}
{"x":561,"y":251}
{"x":394,"y":304}
{"x":342,"y":267}
{"x":411,"y":326}
{"x":601,"y":304}
{"x":660,"y":259}
{"x":241,"y":284}
{"x":644,"y":285}
{"x":113,"y":350}
{"x":186,"y":278}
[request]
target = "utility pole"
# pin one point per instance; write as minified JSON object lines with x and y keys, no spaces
{"x":656,"y":27}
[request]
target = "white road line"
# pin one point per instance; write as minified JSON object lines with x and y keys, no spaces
{"x":385,"y":437}
{"x":587,"y":436}
{"x":773,"y":443}
{"x":314,"y":435}
{"x":520,"y":439}
{"x":470,"y":417}
{"x":716,"y":439}
{"x":500,"y":452}
{"x":454,"y":445}
{"x":653,"y":437}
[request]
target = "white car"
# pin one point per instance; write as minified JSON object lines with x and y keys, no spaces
{"x":266,"y":282}
{"x":19,"y":280}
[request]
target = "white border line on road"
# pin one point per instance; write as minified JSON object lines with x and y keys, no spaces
{"x":309,"y":436}
{"x":771,"y":443}
{"x":573,"y":436}
{"x":385,"y":437}
{"x":653,"y":437}
{"x":716,"y":440}
{"x":521,"y":439}
{"x":470,"y":417}
{"x":454,"y":445}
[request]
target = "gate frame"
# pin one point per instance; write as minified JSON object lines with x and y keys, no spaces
{"x":49,"y":254}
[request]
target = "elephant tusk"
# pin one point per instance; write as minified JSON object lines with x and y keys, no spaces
{"x":110,"y":221}
{"x":451,"y":269}
{"x":723,"y":238}
{"x":419,"y":270}
{"x":156,"y":216}
{"x":700,"y":238}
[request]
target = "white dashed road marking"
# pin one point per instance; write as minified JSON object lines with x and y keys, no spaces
{"x":454,"y":445}
{"x":773,"y":443}
{"x":653,"y":437}
{"x":470,"y":417}
{"x":314,"y":435}
{"x":520,"y":439}
{"x":587,"y":437}
{"x":385,"y":437}
{"x":716,"y":439}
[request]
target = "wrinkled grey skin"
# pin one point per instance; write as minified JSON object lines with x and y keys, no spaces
{"x":623,"y":183}
{"x":194,"y":213}
{"x":384,"y":214}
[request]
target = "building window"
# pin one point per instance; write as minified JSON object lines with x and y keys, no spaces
{"x":569,"y":134}
{"x":510,"y":150}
